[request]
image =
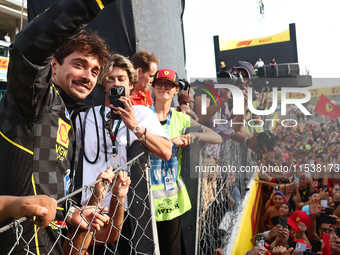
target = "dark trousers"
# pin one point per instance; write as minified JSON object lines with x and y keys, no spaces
{"x":170,"y":237}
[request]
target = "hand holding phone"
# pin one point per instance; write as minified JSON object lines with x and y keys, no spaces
{"x":324,"y":203}
{"x":327,"y":219}
{"x":316,"y":245}
{"x":115,"y":94}
{"x":283,"y":222}
{"x":300,"y":247}
{"x":259,"y":240}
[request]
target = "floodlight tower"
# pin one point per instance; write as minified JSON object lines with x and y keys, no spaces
{"x":260,"y":16}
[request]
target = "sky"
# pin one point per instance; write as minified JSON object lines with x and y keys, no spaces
{"x":317,"y":25}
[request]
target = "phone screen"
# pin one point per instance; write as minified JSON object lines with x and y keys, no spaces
{"x":283,"y":222}
{"x":327,"y":219}
{"x":115,"y":94}
{"x":316,"y":245}
{"x":300,"y":247}
{"x":336,"y":203}
{"x":259,"y":240}
{"x":324,"y":203}
{"x":338,"y":232}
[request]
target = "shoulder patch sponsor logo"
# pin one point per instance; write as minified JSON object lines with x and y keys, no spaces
{"x":62,"y":136}
{"x":67,"y":182}
{"x":67,"y":114}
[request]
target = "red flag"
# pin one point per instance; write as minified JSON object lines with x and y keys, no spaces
{"x":327,"y":108}
{"x":327,"y":249}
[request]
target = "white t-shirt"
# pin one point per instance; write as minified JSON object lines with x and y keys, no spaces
{"x":144,"y":116}
{"x":7,"y":38}
{"x":259,"y":64}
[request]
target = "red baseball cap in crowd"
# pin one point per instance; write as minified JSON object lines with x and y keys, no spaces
{"x":296,"y":217}
{"x":300,"y":240}
{"x":167,"y":74}
{"x":285,"y":155}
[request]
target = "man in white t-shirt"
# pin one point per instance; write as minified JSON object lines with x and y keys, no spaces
{"x":7,"y":37}
{"x":141,"y":122}
{"x":260,"y":66}
{"x":106,"y":142}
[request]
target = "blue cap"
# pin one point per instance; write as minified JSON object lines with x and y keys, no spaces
{"x":305,"y":208}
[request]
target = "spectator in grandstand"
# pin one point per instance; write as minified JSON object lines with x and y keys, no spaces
{"x":305,"y":206}
{"x":232,"y":192}
{"x":7,"y":37}
{"x":223,"y":66}
{"x":277,"y":182}
{"x":17,"y":207}
{"x":273,"y":66}
{"x":256,"y":99}
{"x":284,"y":212}
{"x":263,"y":99}
{"x":292,"y":194}
{"x":317,"y":225}
{"x":306,"y":187}
{"x":270,"y":235}
{"x":186,"y":102}
{"x":299,"y":221}
{"x":259,"y":65}
{"x":217,"y":111}
{"x":278,"y":199}
{"x":171,"y":199}
{"x":49,"y":73}
{"x":146,"y":65}
{"x":274,"y":239}
{"x":112,"y":138}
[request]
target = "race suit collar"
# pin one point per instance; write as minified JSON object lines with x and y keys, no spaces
{"x":72,"y":106}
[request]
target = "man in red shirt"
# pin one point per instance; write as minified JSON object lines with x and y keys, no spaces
{"x":146,"y":65}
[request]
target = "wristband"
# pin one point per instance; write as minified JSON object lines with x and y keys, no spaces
{"x":246,"y":141}
{"x":70,"y":214}
{"x":266,"y":234}
{"x":143,"y":136}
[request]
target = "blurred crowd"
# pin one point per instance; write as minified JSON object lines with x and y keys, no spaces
{"x":301,"y":195}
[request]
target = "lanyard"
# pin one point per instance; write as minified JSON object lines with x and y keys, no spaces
{"x":167,"y":119}
{"x":107,"y":125}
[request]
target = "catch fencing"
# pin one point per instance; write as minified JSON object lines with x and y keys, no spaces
{"x":215,"y":199}
{"x":137,"y":235}
{"x":221,"y":194}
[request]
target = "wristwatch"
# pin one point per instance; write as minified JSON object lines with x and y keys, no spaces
{"x":137,"y":128}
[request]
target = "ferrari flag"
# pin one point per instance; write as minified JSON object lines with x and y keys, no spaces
{"x":327,"y":108}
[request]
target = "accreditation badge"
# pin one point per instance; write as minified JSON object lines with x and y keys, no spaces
{"x":168,"y":182}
